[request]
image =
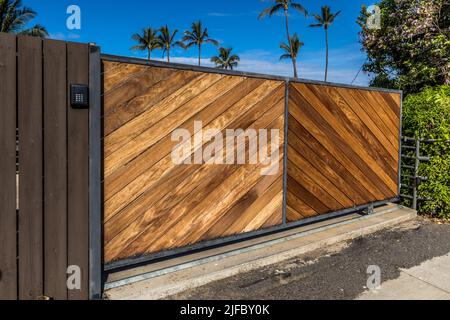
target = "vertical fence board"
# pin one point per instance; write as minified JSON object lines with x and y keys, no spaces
{"x":78,"y":171}
{"x":8,"y":259}
{"x":55,"y":169}
{"x":30,"y":167}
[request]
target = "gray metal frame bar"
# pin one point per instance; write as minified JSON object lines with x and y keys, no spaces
{"x":400,"y":146}
{"x":285,"y":156}
{"x":126,"y":263}
{"x":95,"y":167}
{"x":188,"y":67}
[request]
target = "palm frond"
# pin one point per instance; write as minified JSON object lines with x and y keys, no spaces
{"x":147,"y":40}
{"x":334,"y":16}
{"x":285,"y":56}
{"x":270,"y":11}
{"x":299,"y":8}
{"x":293,"y":48}
{"x":212,"y":41}
{"x":36,"y":31}
{"x":14,"y":17}
{"x":226,"y":60}
{"x":325,"y":19}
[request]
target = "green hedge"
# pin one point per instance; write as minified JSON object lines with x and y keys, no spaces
{"x":426,"y":115}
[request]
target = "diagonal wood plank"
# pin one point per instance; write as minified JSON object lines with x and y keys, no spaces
{"x":207,"y":176}
{"x":340,"y":177}
{"x":147,"y":99}
{"x":345,"y":142}
{"x":152,"y":135}
{"x":163,"y":167}
{"x":337,"y":160}
{"x":125,"y":175}
{"x":335,"y":125}
{"x":255,"y":116}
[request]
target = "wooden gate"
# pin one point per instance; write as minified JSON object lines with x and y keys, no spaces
{"x":340,"y":154}
{"x":45,"y":176}
{"x":321,"y":150}
{"x":152,"y":204}
{"x":343,"y":148}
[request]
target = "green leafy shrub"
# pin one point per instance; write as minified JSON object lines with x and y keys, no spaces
{"x":426,"y":115}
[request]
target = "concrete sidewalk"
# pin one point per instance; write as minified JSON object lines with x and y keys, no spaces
{"x":429,"y":281}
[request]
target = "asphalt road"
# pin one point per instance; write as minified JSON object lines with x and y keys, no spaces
{"x":337,"y":273}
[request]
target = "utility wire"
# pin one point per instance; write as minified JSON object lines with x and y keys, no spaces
{"x":360,"y":69}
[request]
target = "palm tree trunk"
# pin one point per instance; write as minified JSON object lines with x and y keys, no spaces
{"x":168,"y":55}
{"x":199,"y":55}
{"x":326,"y":62}
{"x":294,"y":63}
{"x":149,"y":56}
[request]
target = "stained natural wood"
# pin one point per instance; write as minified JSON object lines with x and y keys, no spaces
{"x":55,"y":169}
{"x":151,"y":204}
{"x":335,"y":125}
{"x":125,"y":175}
{"x":31,"y":164}
{"x":8,"y":227}
{"x":78,"y":175}
{"x":148,"y":178}
{"x":174,"y":199}
{"x":343,"y":148}
{"x":342,"y":152}
{"x":44,"y":212}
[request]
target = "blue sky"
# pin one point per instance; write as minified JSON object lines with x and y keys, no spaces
{"x":234,"y":23}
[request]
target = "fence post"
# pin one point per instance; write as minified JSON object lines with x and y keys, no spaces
{"x":95,"y":165}
{"x":416,"y":174}
{"x":286,"y":142}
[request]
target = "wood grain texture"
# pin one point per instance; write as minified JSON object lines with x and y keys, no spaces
{"x":8,"y":226}
{"x":343,"y":148}
{"x":78,"y":173}
{"x":55,"y":169}
{"x":44,"y":212}
{"x":30,"y":168}
{"x":151,"y":204}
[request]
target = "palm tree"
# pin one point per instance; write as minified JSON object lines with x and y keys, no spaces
{"x":226,"y":60}
{"x":148,"y":40}
{"x":325,"y":20}
{"x":197,"y":36}
{"x":166,"y":40}
{"x":14,"y":17}
{"x":292,"y":48}
{"x":285,"y":5}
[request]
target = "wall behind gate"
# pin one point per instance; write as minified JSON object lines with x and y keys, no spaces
{"x":44,"y":212}
{"x":152,"y":204}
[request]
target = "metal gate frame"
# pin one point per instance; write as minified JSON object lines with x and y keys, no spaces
{"x":96,"y":156}
{"x":95,"y":176}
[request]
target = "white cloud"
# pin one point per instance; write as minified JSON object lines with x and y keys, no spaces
{"x":63,"y":36}
{"x":57,"y":36}
{"x":220,"y":14}
{"x":344,"y":64}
